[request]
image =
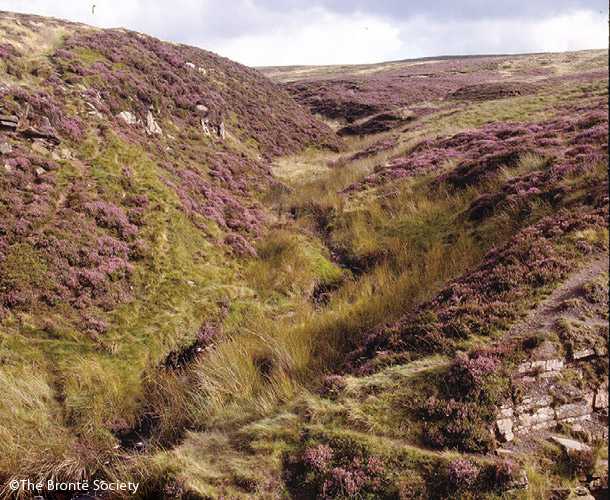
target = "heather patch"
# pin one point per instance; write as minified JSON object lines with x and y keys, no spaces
{"x":493,"y":90}
{"x":487,"y":300}
{"x":187,"y":85}
{"x":341,"y":468}
{"x":479,"y":154}
{"x":355,"y":96}
{"x":461,"y":414}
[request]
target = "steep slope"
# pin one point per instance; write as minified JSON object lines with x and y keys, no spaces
{"x":204,"y":292}
{"x":131,"y":175}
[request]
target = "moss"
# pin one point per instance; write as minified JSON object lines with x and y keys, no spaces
{"x":23,"y":266}
{"x":89,"y":56}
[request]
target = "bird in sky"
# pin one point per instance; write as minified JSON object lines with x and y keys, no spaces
{"x":93,"y":9}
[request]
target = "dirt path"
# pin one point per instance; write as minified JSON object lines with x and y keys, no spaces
{"x":545,"y":313}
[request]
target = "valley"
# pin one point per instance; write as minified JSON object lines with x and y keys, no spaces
{"x":374,"y":281}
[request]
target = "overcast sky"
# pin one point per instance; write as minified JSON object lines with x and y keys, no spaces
{"x":278,"y":32}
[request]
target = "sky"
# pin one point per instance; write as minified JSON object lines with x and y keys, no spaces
{"x":285,"y":32}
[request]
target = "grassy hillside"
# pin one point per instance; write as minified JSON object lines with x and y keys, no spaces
{"x":206,"y":290}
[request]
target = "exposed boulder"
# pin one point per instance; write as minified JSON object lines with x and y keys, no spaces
{"x":205,"y":125}
{"x":128,"y":117}
{"x":570,"y":445}
{"x":505,"y":429}
{"x":152,"y":127}
{"x":8,"y":122}
{"x":601,"y":398}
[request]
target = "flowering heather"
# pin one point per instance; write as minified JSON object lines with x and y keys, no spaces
{"x":46,"y":113}
{"x":332,"y":386}
{"x":175,"y":88}
{"x":214,"y":181}
{"x":462,"y":473}
{"x":505,"y":471}
{"x":110,"y":216}
{"x":318,"y":457}
{"x":480,"y":153}
{"x":240,"y":245}
{"x":355,"y":96}
{"x":336,"y":470}
{"x":7,"y":51}
{"x":488,"y":298}
{"x":82,"y":248}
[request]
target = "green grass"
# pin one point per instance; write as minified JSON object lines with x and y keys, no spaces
{"x":253,"y":396}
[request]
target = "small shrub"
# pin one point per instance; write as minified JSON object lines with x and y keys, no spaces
{"x":456,"y":425}
{"x":504,"y":472}
{"x":462,"y":474}
{"x":341,"y":468}
{"x":332,"y":386}
{"x":580,"y":463}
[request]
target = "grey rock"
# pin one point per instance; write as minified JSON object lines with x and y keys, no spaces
{"x":572,"y":410}
{"x":152,"y":127}
{"x":8,"y":125}
{"x":5,"y":148}
{"x":601,"y":398}
{"x":205,"y":126}
{"x":128,"y":117}
{"x":583,"y":353}
{"x":504,"y":427}
{"x":548,"y":365}
{"x":506,"y":412}
{"x":9,"y":119}
{"x":9,"y":122}
{"x":529,"y":403}
{"x":570,"y":445}
{"x":541,"y":415}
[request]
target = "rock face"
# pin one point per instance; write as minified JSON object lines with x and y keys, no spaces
{"x":152,"y":127}
{"x":128,"y":117}
{"x":547,"y":399}
{"x":8,"y":122}
{"x":570,"y":445}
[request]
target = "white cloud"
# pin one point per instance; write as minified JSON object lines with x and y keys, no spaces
{"x":325,"y":39}
{"x":571,"y":31}
{"x":265,"y":32}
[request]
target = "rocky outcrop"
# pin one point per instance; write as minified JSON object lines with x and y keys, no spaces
{"x":128,"y":117}
{"x":152,"y":127}
{"x":8,"y":122}
{"x":551,"y":392}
